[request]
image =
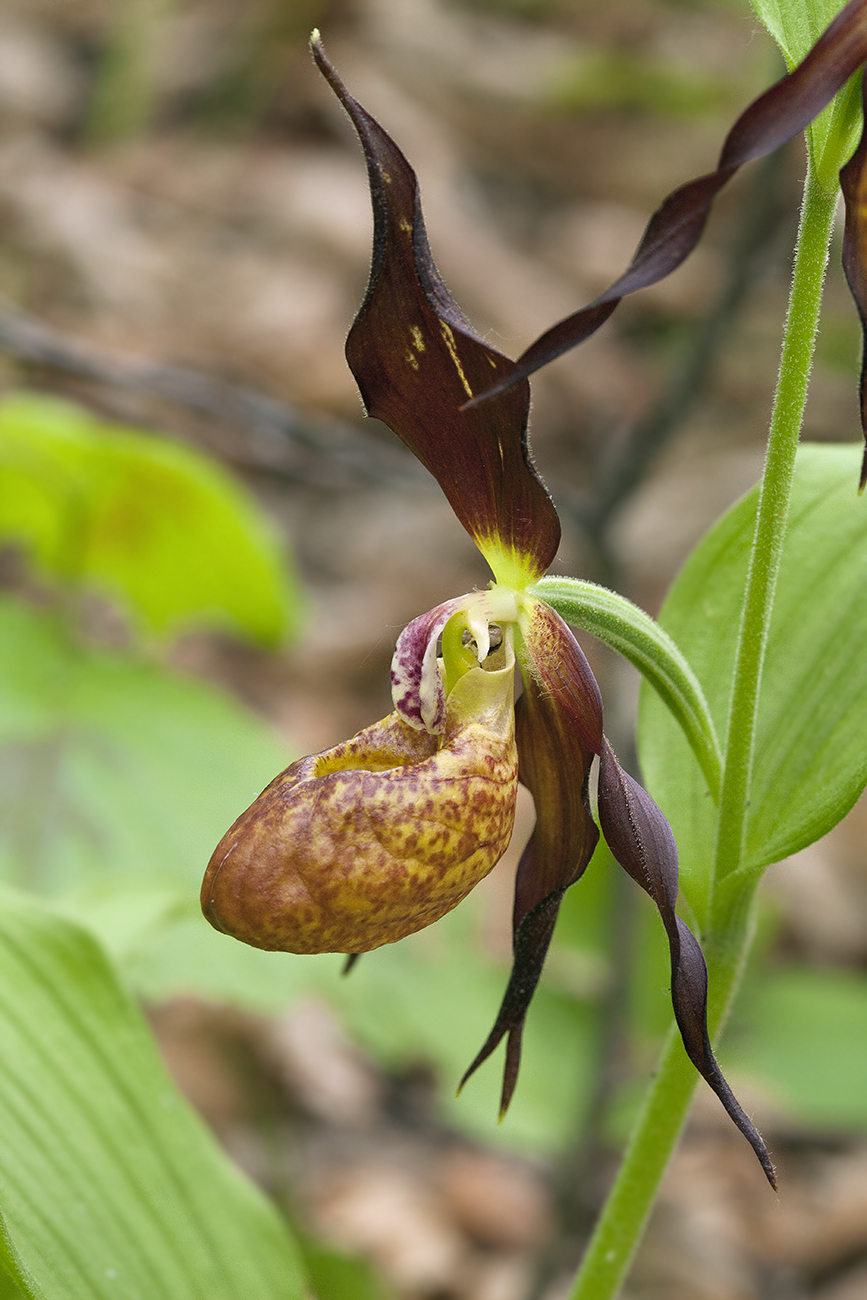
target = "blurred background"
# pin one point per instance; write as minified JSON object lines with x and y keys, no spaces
{"x":206,"y":555}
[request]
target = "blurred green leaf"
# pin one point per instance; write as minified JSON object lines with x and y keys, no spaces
{"x":336,"y":1276}
{"x":9,"y":1290}
{"x":109,"y":1185}
{"x":811,"y":755}
{"x":621,"y":81}
{"x":115,"y":773}
{"x":802,"y":1032}
{"x":428,"y":1000}
{"x":151,"y":523}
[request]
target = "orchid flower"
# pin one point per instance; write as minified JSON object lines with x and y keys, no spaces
{"x":380,"y":836}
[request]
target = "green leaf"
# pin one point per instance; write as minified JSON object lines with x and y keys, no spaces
{"x":810,"y":760}
{"x":109,"y":1185}
{"x":432,"y":999}
{"x":796,"y":25}
{"x":625,"y":81}
{"x":337,"y":1276}
{"x":428,"y":1000}
{"x":147,"y":521}
{"x":802,"y":1032}
{"x":117,"y":776}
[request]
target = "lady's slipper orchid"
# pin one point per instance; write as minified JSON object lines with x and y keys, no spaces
{"x":382,"y":835}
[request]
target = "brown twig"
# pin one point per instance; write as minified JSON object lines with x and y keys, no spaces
{"x":314,"y":451}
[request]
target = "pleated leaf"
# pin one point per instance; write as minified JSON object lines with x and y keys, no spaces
{"x":811,"y":745}
{"x":110,"y":1187}
{"x":796,"y":27}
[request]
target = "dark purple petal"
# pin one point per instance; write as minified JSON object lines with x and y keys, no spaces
{"x":559,"y":730}
{"x":853,"y":182}
{"x":417,"y":362}
{"x":642,"y":842}
{"x":776,"y":117}
{"x":530,"y":950}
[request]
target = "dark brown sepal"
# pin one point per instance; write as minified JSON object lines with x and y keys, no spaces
{"x":642,"y":842}
{"x":417,"y":362}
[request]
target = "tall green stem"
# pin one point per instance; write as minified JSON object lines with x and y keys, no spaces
{"x":727,"y":941}
{"x":799,"y":340}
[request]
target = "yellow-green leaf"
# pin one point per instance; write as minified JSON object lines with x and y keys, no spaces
{"x":154,"y":524}
{"x":110,"y":1187}
{"x":810,"y":761}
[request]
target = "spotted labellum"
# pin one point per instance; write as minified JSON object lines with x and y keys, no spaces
{"x":383,"y":834}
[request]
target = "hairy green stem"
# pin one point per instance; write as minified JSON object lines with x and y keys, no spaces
{"x":799,"y":339}
{"x":729,"y":935}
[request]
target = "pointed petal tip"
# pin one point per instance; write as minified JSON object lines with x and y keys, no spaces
{"x":416,"y":360}
{"x":479,"y":1059}
{"x":318,"y":50}
{"x":328,"y":70}
{"x":714,"y":1077}
{"x":770,"y":1172}
{"x":512,"y":1065}
{"x":641,"y":840}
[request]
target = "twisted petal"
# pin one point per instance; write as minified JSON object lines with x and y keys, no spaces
{"x":375,"y":838}
{"x":559,"y":729}
{"x":417,"y":361}
{"x":675,"y":228}
{"x":641,"y":840}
